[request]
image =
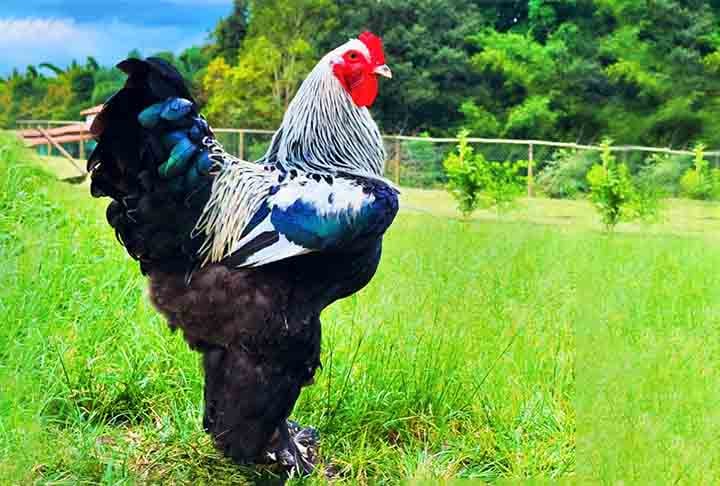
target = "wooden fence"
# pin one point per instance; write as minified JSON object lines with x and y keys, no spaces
{"x":395,"y":141}
{"x":55,"y":137}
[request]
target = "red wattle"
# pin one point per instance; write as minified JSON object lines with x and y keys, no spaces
{"x":362,"y":86}
{"x":365,"y":91}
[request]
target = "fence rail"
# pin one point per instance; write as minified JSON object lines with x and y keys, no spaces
{"x":418,"y":160}
{"x":38,"y":123}
{"x":509,"y":141}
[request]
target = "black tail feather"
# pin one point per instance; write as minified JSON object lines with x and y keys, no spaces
{"x":152,"y":219}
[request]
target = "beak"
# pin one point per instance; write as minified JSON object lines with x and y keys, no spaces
{"x":383,"y":71}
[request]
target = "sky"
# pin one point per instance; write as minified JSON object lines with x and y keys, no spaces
{"x":58,"y":31}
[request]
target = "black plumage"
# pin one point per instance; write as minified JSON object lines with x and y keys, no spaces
{"x":257,"y":328}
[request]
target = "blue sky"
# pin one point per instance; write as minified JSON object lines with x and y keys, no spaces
{"x":57,"y":31}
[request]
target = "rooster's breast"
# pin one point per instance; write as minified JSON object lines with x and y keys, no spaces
{"x":266,"y":310}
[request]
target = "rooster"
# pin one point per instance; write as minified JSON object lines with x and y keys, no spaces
{"x":244,"y":256}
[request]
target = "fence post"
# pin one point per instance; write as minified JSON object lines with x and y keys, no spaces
{"x":241,"y":145}
{"x":49,"y":147}
{"x":530,"y":176}
{"x":81,"y":150}
{"x":397,"y":161}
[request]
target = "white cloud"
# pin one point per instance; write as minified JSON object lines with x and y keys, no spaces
{"x":32,"y":31}
{"x":26,"y":41}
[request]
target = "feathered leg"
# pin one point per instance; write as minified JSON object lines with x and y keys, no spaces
{"x":245,"y":402}
{"x":296,"y":447}
{"x":257,"y":355}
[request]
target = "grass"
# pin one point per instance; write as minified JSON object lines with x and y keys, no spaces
{"x":648,"y":364}
{"x":458,"y":360}
{"x":682,"y":217}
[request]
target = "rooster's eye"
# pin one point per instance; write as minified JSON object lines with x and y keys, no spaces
{"x":353,"y":56}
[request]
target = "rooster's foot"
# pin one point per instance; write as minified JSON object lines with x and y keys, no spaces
{"x":298,"y":449}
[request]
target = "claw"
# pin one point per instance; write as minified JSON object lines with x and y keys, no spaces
{"x":298,"y":449}
{"x":303,"y":442}
{"x":307,"y":437}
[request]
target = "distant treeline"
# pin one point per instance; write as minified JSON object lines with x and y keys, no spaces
{"x":637,"y":71}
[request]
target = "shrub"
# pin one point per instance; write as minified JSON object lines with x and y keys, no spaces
{"x":464,"y":173}
{"x":565,"y":174}
{"x":476,"y":182}
{"x":503,"y":183}
{"x":658,"y":178}
{"x":664,"y":171}
{"x":613,"y":193}
{"x":647,"y":201}
{"x":701,"y":182}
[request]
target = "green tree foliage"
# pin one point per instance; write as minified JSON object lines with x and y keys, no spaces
{"x":230,"y":32}
{"x":565,"y":175}
{"x":256,"y":89}
{"x":426,"y":48}
{"x":52,"y":92}
{"x":242,"y":95}
{"x":641,"y":71}
{"x":665,"y":172}
{"x":107,"y":82}
{"x":193,"y":63}
{"x":503,"y":183}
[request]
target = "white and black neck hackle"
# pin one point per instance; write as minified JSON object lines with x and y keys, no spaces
{"x":324,"y":131}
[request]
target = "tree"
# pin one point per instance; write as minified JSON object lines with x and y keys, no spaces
{"x":611,"y":189}
{"x":242,"y":95}
{"x":522,"y":72}
{"x":56,"y":70}
{"x":275,"y":58}
{"x":192,"y":64}
{"x":82,"y":82}
{"x":641,"y":71}
{"x":426,"y":48}
{"x":92,"y":64}
{"x":231,"y":31}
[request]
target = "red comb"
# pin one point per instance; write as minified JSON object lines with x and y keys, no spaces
{"x":374,"y":45}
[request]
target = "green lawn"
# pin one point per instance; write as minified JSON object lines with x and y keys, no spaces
{"x":474,"y":352}
{"x":678,"y":216}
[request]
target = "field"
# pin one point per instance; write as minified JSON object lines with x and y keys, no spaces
{"x":493,"y":349}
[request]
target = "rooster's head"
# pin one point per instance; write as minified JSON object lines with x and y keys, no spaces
{"x":357,"y":63}
{"x":327,"y":127}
